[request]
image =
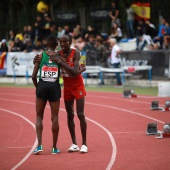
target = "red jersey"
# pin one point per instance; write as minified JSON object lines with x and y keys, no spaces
{"x":74,"y":81}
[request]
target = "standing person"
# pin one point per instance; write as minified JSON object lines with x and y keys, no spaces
{"x":114,"y":13}
{"x":115,"y":59}
{"x":47,"y":89}
{"x":130,"y":20}
{"x":73,"y":89}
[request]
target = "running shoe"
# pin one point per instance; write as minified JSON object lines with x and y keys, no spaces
{"x":73,"y":148}
{"x":84,"y":149}
{"x":38,"y":150}
{"x":55,"y":151}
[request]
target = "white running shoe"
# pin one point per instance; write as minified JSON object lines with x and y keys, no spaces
{"x":73,"y":148}
{"x":84,"y":149}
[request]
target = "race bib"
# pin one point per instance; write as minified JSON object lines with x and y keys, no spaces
{"x":49,"y":73}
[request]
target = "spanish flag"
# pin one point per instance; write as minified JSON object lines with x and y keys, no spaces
{"x":2,"y":59}
{"x":142,"y":10}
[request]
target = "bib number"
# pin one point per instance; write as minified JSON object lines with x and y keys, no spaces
{"x":49,"y":73}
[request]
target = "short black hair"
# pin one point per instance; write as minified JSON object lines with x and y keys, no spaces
{"x":51,"y":39}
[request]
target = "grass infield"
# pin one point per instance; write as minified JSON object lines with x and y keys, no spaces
{"x":152,"y":91}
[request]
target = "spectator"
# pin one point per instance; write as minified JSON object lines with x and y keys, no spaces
{"x":140,"y":29}
{"x":11,"y":35}
{"x":101,"y":57}
{"x":38,"y":28}
{"x":116,"y":32}
{"x":115,"y":58}
{"x":3,"y":46}
{"x":53,"y":30}
{"x":80,"y":43}
{"x":150,"y":32}
{"x":60,"y":32}
{"x":130,"y":21}
{"x":91,"y":52}
{"x":38,"y":45}
{"x":91,"y":31}
{"x":17,"y":46}
{"x":29,"y":35}
{"x":160,"y":37}
{"x":82,"y":31}
{"x":114,"y":14}
{"x":47,"y":24}
{"x":75,"y":33}
{"x":167,"y":36}
{"x":66,"y":30}
{"x":29,"y":46}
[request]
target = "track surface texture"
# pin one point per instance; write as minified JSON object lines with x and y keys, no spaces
{"x":116,"y":134}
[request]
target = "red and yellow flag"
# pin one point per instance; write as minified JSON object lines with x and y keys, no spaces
{"x":142,"y":10}
{"x":2,"y":59}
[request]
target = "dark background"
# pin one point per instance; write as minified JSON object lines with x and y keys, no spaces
{"x":15,"y":14}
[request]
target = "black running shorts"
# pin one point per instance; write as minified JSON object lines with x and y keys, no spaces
{"x":50,"y":91}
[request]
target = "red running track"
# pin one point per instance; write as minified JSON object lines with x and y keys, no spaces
{"x":116,"y":134}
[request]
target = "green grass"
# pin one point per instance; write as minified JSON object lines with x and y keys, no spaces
{"x":153,"y":91}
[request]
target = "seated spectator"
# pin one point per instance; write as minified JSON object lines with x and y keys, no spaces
{"x":91,"y":31}
{"x":140,"y":29}
{"x":160,"y":37}
{"x":66,"y":30}
{"x":73,"y":44}
{"x":101,"y":57}
{"x":60,"y":32}
{"x":29,"y":35}
{"x":3,"y":46}
{"x":38,"y":46}
{"x":82,"y":31}
{"x":91,"y":51}
{"x":116,"y":32}
{"x":80,"y":43}
{"x":76,"y":33}
{"x":17,"y":46}
{"x":11,"y":35}
{"x":149,"y":33}
{"x":53,"y":30}
{"x":29,"y":46}
{"x":167,"y":36}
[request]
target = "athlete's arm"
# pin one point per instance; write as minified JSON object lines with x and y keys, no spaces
{"x":34,"y":74}
{"x":73,"y":71}
{"x":37,"y":58}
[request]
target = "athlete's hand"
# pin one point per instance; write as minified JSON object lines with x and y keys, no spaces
{"x":56,"y":58}
{"x":81,"y":69}
{"x":37,"y":58}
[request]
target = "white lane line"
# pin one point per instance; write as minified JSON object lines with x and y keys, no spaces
{"x":35,"y":143}
{"x":114,"y":148}
{"x":125,"y":110}
{"x":18,"y":147}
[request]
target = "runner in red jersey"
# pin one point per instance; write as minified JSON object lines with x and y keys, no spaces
{"x":73,"y":90}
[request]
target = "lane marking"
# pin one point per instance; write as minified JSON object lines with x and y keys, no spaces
{"x":114,"y":148}
{"x":125,"y":110}
{"x":18,"y":147}
{"x":35,"y":143}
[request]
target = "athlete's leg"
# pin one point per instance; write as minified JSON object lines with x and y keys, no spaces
{"x":54,"y":118}
{"x":40,"y":105}
{"x":80,"y":113}
{"x":69,"y":105}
